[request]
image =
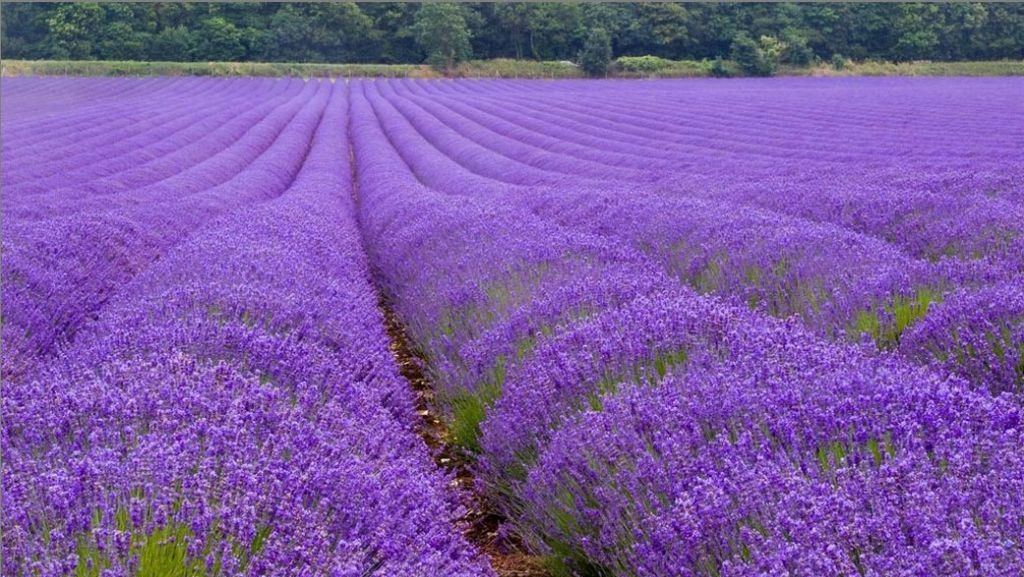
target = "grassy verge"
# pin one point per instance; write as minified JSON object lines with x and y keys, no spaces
{"x":497,"y":68}
{"x":510,"y":68}
{"x":130,"y":68}
{"x":924,"y":68}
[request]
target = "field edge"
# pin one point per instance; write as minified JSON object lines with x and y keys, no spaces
{"x":498,"y":68}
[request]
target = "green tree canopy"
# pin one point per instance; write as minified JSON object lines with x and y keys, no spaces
{"x":753,"y":57}
{"x":597,"y":53}
{"x":73,"y":28}
{"x":219,"y":39}
{"x":393,"y":32}
{"x":442,"y":34}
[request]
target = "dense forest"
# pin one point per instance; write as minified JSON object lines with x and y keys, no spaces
{"x":414,"y":33}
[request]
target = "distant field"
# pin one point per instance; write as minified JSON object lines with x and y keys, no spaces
{"x":882,"y":68}
{"x":499,"y":68}
{"x":273,"y":69}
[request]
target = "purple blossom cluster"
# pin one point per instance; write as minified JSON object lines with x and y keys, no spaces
{"x":979,"y":334}
{"x":197,"y":379}
{"x":854,"y":256}
{"x":683,"y":328}
{"x":638,"y":301}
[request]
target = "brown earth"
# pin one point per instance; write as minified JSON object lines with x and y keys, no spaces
{"x":480,"y":523}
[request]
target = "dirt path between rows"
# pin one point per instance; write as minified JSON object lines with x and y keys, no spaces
{"x":480,"y":523}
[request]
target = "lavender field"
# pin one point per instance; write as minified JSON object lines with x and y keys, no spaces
{"x":707,"y":328}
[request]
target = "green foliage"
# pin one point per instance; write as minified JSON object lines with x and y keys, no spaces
{"x":838,"y":62}
{"x":133,"y":68}
{"x":392,"y":32}
{"x":72,"y":30}
{"x":772,"y":49}
{"x":510,"y":68}
{"x":719,"y":69}
{"x":797,"y":52}
{"x":917,"y":30}
{"x":220,"y":40}
{"x":887,"y":327}
{"x":556,"y":30}
{"x":596,"y":55}
{"x":172,"y":45}
{"x":656,"y":66}
{"x":571,"y":562}
{"x":164,"y":551}
{"x":469,"y":408}
{"x":286,"y":40}
{"x":755,"y":58}
{"x":325,"y":32}
{"x":505,"y":68}
{"x":442,"y":34}
{"x":643,"y":64}
{"x":120,"y":41}
{"x":663,"y":29}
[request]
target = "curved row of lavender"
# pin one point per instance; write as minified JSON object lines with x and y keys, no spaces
{"x":196,"y":374}
{"x":628,"y":424}
{"x":197,"y":379}
{"x":851,"y":259}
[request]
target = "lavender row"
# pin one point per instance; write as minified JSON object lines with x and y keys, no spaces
{"x":458,"y":305}
{"x":751,"y":114}
{"x":707,"y":249}
{"x":75,"y":100}
{"x":124,"y":181}
{"x":921,"y":206}
{"x":841,"y":283}
{"x":879,"y":186}
{"x":808,"y":462}
{"x":100,"y":126}
{"x":552,"y":354}
{"x":87,"y":159}
{"x":484,"y":140}
{"x":59,"y":272}
{"x":42,"y":101}
{"x":986,"y":166}
{"x":241,"y":417}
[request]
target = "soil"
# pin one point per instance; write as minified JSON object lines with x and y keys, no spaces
{"x":480,"y":523}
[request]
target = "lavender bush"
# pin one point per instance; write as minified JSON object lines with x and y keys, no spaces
{"x":232,"y":408}
{"x":681,"y":328}
{"x":591,"y":415}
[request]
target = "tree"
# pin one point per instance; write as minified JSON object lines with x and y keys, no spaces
{"x":1003,"y":36}
{"x":597,"y":53}
{"x":772,"y":50}
{"x":125,"y":34}
{"x":556,"y":31}
{"x":756,"y":59}
{"x":286,"y":39}
{"x":401,"y":32}
{"x":442,"y":34}
{"x":514,"y":18}
{"x":121,"y":42}
{"x":797,"y":52}
{"x":664,"y":29}
{"x":342,"y":32}
{"x":221,"y":40}
{"x":172,"y":45}
{"x":394,"y":23}
{"x":72,"y":28}
{"x":619,"y":20}
{"x":918,"y":30}
{"x":962,"y":34}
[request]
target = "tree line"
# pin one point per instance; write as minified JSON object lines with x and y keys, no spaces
{"x":443,"y":34}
